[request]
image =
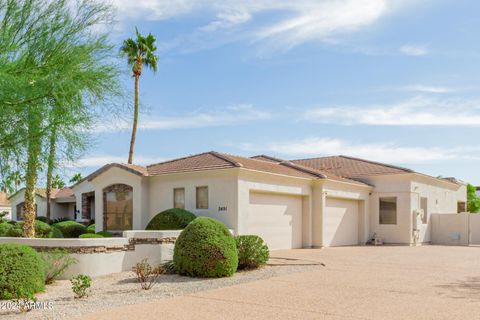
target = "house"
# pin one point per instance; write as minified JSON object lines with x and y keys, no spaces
{"x":5,"y":205}
{"x":327,"y":201}
{"x":62,"y":203}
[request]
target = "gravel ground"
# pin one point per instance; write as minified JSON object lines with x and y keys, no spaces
{"x":123,"y":289}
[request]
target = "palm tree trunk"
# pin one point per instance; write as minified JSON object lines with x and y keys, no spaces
{"x":135,"y":121}
{"x":51,"y":163}
{"x":34,"y":148}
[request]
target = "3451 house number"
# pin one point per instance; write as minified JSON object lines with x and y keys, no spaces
{"x":222,"y":208}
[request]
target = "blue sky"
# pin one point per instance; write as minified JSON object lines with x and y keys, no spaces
{"x":395,"y":81}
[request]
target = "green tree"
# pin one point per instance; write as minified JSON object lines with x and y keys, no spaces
{"x":76,"y":178}
{"x":138,"y":52}
{"x":51,"y":63}
{"x":473,"y":201}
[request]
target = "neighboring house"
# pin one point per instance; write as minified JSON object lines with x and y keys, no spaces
{"x":5,"y":205}
{"x":329,"y":201}
{"x":62,"y":204}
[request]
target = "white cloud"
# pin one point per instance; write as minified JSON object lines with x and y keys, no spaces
{"x":101,"y":160}
{"x":232,"y":115}
{"x":382,"y":152}
{"x":414,"y":50}
{"x":428,"y":89}
{"x":416,"y":111}
{"x":298,"y":21}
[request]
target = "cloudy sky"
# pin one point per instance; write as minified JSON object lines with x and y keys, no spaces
{"x":395,"y":81}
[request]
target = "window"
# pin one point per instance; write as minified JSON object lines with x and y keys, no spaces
{"x":424,"y":207}
{"x":118,"y":207}
{"x":388,"y":210}
{"x":202,"y":197}
{"x":461,"y":207}
{"x":179,"y":198}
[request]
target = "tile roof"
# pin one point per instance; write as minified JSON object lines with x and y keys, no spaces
{"x":215,"y":160}
{"x":350,"y":167}
{"x":55,"y":194}
{"x":4,"y":199}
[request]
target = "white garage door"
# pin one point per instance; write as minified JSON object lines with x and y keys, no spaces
{"x":277,"y":219}
{"x":341,"y":222}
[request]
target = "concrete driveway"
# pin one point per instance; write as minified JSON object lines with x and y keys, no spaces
{"x":430,"y":282}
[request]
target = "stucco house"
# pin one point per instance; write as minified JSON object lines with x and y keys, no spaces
{"x":327,"y":201}
{"x":62,"y":203}
{"x":5,"y":205}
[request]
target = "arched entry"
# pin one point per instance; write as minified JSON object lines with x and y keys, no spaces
{"x":117,"y":207}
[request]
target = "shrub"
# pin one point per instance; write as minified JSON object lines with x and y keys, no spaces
{"x":12,"y":222}
{"x":21,"y":271}
{"x":171,"y":219}
{"x":91,"y":235}
{"x":252,"y":252}
{"x":3,"y":214}
{"x":146,"y":274}
{"x":42,"y":230}
{"x":56,"y":262}
{"x":54,"y":221}
{"x":91,"y":228}
{"x":43,"y":219}
{"x":80,"y":284}
{"x":205,"y":248}
{"x":105,"y":234}
{"x":56,"y":233}
{"x":71,"y":229}
{"x":4,"y":228}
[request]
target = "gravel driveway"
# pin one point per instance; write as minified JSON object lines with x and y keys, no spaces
{"x":429,"y":282}
{"x":121,"y":289}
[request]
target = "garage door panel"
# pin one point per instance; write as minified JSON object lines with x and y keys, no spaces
{"x":341,"y":222}
{"x":277,"y":219}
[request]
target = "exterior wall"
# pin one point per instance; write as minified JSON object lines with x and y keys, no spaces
{"x":440,"y":200}
{"x":253,"y":181}
{"x":409,"y":189}
{"x":6,"y":209}
{"x":98,"y":257}
{"x":450,"y":229}
{"x":119,"y":176}
{"x":222,"y":194}
{"x":19,"y":198}
{"x":79,"y":189}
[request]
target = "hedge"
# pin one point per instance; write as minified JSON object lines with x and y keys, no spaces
{"x":42,"y":230}
{"x":205,"y":248}
{"x":21,"y":271}
{"x":171,"y":219}
{"x":70,"y":229}
{"x":91,"y":235}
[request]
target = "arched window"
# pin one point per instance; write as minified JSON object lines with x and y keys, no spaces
{"x":118,"y":207}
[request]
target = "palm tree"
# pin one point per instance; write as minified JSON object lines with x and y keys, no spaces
{"x":76,"y":178}
{"x":139,"y":52}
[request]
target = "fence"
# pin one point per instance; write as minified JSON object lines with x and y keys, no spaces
{"x":461,"y":229}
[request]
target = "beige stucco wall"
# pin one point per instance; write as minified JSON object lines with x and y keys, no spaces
{"x":222,"y":194}
{"x":450,"y":229}
{"x":19,"y":198}
{"x":6,"y":209}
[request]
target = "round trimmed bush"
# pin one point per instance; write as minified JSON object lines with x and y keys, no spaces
{"x":21,"y":271}
{"x":105,"y":234}
{"x":42,"y":218}
{"x":42,"y":230}
{"x":205,"y":248}
{"x":252,"y":252}
{"x":71,"y":229}
{"x":171,"y":219}
{"x":91,"y":235}
{"x":56,"y":233}
{"x":4,"y":228}
{"x":91,"y":228}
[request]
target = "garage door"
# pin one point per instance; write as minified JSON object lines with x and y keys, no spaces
{"x":341,"y":222}
{"x":277,"y":219}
